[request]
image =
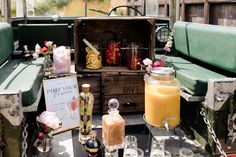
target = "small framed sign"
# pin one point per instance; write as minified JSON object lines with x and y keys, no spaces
{"x":62,"y":96}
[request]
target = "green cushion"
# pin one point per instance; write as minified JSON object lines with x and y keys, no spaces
{"x":6,"y":42}
{"x":23,"y":75}
{"x":193,"y":78}
{"x":215,"y":45}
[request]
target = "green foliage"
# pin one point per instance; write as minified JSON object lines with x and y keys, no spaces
{"x":95,"y":0}
{"x":58,"y":3}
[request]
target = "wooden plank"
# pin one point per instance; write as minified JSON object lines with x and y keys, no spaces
{"x":183,"y":11}
{"x":194,"y":13}
{"x":113,"y":69}
{"x":206,"y":12}
{"x":122,"y":84}
{"x":223,"y":14}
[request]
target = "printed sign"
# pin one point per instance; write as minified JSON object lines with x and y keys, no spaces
{"x":61,"y":96}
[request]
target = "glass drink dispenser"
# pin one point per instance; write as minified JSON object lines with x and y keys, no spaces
{"x":162,"y":98}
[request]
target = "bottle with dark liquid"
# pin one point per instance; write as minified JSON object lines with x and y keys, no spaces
{"x":86,"y":107}
{"x":92,"y":146}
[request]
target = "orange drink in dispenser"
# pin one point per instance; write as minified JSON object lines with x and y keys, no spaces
{"x":162,"y":98}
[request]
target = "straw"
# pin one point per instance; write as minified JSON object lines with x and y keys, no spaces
{"x":91,"y":46}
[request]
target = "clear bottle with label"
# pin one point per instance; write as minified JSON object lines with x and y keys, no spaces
{"x":86,"y":108}
{"x":162,"y":98}
{"x":113,"y":127}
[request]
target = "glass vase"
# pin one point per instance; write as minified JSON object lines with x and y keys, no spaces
{"x":47,"y":65}
{"x":44,"y":145}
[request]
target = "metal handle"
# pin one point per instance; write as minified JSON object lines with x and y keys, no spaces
{"x":129,"y":105}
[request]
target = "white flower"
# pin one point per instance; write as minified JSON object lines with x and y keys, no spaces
{"x":49,"y":44}
{"x":147,"y":62}
{"x":37,"y":47}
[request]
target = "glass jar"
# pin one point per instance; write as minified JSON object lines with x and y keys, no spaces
{"x":47,"y":65}
{"x":61,"y":60}
{"x":113,"y":53}
{"x":134,"y":56}
{"x":162,"y":98}
{"x":86,"y":109}
{"x":113,"y":127}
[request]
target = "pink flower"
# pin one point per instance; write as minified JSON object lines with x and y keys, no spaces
{"x":35,"y":55}
{"x":148,"y":69}
{"x":48,"y":44}
{"x":49,"y":119}
{"x":147,"y":62}
{"x":157,"y":64}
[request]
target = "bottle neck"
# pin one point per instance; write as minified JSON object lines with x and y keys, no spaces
{"x":162,"y":77}
{"x":113,"y":112}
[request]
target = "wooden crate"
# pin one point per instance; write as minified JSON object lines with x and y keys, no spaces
{"x":94,"y":80}
{"x":102,"y":30}
{"x":127,"y":88}
{"x":116,"y":81}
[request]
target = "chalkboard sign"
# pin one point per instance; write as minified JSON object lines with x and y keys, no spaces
{"x":61,"y":96}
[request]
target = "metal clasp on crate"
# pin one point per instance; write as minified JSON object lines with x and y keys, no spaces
{"x":11,"y":106}
{"x":219,"y":92}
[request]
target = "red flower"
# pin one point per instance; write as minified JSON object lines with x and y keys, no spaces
{"x":41,"y":135}
{"x":44,"y":49}
{"x":45,"y":129}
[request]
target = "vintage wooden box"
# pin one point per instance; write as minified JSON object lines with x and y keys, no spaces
{"x":128,"y":88}
{"x":116,"y":81}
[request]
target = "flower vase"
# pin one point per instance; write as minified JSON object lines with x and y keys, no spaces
{"x":47,"y":65}
{"x":44,"y":145}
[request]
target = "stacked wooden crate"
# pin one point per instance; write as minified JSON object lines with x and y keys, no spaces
{"x":114,"y":81}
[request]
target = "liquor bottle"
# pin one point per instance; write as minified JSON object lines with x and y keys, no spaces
{"x":86,"y":107}
{"x":113,"y":127}
{"x":93,"y":145}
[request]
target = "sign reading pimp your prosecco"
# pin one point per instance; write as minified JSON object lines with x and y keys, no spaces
{"x":61,"y":96}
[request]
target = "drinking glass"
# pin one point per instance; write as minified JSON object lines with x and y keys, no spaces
{"x":130,"y":148}
{"x":157,"y":147}
{"x":185,"y":152}
{"x":167,"y":154}
{"x":140,"y":152}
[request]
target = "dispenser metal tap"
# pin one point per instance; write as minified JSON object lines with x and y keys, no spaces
{"x":165,"y":122}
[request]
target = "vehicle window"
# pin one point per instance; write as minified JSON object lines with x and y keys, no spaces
{"x":72,"y":8}
{"x":68,"y":7}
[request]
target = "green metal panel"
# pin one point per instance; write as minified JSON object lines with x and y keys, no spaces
{"x":23,"y":75}
{"x":12,"y":136}
{"x":6,"y":42}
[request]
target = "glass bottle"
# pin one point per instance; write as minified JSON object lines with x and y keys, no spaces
{"x":185,"y":152}
{"x":162,"y":98}
{"x":92,"y":145}
{"x":47,"y":65}
{"x":113,"y":125}
{"x":113,"y":153}
{"x":86,"y":108}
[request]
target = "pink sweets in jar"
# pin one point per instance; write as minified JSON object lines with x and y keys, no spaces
{"x":61,"y":60}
